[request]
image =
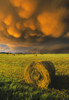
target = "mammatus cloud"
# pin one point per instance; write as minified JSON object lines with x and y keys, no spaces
{"x":51,"y":22}
{"x":24,"y":23}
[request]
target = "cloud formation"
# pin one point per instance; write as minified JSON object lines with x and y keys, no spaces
{"x":30,"y":22}
{"x":51,"y":22}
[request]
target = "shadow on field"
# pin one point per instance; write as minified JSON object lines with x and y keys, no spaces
{"x":4,"y":83}
{"x":60,"y":82}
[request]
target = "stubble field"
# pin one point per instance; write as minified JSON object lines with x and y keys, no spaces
{"x":13,"y":87}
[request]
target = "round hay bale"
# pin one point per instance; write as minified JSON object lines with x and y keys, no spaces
{"x":39,"y":73}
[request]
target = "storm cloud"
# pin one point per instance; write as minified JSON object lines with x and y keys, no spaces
{"x":33,"y":23}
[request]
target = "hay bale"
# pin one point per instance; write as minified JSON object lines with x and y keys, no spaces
{"x":39,"y":73}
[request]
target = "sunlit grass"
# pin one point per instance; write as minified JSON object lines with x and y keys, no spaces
{"x":12,"y":86}
{"x":14,"y":65}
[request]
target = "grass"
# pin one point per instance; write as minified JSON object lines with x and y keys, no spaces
{"x":13,"y":87}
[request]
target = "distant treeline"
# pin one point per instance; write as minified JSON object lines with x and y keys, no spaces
{"x":31,"y":53}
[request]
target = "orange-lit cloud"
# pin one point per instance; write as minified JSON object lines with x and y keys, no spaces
{"x":32,"y":22}
{"x":12,"y":31}
{"x":51,"y":22}
{"x":8,"y":20}
{"x":25,"y":7}
{"x":1,"y":15}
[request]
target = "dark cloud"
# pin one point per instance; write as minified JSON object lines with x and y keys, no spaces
{"x":28,"y":23}
{"x":50,"y":46}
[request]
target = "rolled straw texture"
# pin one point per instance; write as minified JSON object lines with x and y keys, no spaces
{"x":39,"y":73}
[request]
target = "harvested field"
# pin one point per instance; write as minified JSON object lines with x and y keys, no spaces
{"x":13,"y":87}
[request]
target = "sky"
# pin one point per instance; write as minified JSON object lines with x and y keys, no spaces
{"x":34,"y":25}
